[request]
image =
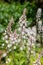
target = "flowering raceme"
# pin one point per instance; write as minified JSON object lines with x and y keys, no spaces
{"x":25,"y":39}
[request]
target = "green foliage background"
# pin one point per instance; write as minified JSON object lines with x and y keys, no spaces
{"x":15,"y":9}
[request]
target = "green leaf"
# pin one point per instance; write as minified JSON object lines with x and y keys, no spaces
{"x":1,"y":28}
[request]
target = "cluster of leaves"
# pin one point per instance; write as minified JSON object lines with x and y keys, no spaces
{"x":15,"y":10}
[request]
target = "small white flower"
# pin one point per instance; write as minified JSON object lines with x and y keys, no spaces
{"x":10,"y":35}
{"x":4,"y":55}
{"x":14,"y":47}
{"x":4,"y":33}
{"x":33,"y":44}
{"x":28,"y":48}
{"x":34,"y":34}
{"x":8,"y":60}
{"x":6,"y":37}
{"x":32,"y":51}
{"x":22,"y":33}
{"x":39,"y":23}
{"x":20,"y":20}
{"x":19,"y":29}
{"x":23,"y":22}
{"x":11,"y":38}
{"x":9,"y":50}
{"x":6,"y":41}
{"x":34,"y":39}
{"x":23,"y":37}
{"x":21,"y":48}
{"x":14,"y":38}
{"x":9,"y":45}
{"x":31,"y":32}
{"x":23,"y":27}
{"x":34,"y":29}
{"x":3,"y":44}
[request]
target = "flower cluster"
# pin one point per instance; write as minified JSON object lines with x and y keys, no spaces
{"x":9,"y":38}
{"x":23,"y":37}
{"x":37,"y":62}
{"x":39,"y":25}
